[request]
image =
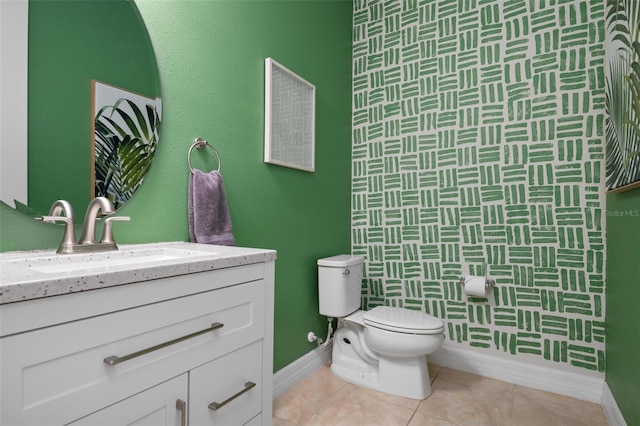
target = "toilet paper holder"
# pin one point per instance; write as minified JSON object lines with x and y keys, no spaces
{"x":489,"y":282}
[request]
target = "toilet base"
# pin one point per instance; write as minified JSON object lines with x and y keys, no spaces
{"x":395,"y":378}
{"x":406,"y":377}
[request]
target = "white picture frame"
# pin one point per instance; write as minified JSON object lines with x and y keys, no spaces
{"x":289,"y":125}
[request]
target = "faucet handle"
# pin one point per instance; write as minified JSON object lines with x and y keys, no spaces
{"x":69,"y":238}
{"x":54,"y":219}
{"x":107,"y":234}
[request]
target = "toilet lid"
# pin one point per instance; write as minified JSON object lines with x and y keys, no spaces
{"x":403,"y":320}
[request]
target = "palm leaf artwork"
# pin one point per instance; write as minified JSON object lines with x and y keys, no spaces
{"x":125,"y":143}
{"x":622,"y":93}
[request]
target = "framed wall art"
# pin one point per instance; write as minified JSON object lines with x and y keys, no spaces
{"x":622,"y":96}
{"x":289,"y":134}
{"x":124,"y":128}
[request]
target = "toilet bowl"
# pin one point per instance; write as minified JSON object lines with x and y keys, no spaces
{"x":392,"y":331}
{"x":384,"y":348}
{"x":384,"y":356}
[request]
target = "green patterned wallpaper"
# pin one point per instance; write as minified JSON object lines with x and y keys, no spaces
{"x":478,"y":137}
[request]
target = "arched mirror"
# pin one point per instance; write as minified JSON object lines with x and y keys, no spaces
{"x":93,"y":104}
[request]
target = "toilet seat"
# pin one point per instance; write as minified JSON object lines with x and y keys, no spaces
{"x":402,"y":320}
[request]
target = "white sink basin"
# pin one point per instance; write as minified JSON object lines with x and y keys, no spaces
{"x":91,"y":262}
{"x":108,"y":260}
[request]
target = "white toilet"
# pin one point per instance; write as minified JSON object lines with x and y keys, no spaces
{"x":384,"y":348}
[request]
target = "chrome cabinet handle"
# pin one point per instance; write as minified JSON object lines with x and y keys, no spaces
{"x":114,"y":360}
{"x":217,"y":405}
{"x":182,"y":407}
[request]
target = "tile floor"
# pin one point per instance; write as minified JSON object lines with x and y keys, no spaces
{"x":458,"y":399}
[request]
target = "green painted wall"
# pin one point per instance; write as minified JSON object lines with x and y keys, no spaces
{"x":623,"y":293}
{"x":211,"y":59}
{"x":72,"y":42}
{"x":478,"y":137}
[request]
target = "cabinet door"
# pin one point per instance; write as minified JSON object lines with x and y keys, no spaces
{"x":158,"y":406}
{"x":231,"y":385}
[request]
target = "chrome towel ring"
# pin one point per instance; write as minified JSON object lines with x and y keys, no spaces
{"x":200,"y":144}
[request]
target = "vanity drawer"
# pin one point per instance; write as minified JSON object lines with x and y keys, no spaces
{"x":236,"y":379}
{"x":58,"y":374}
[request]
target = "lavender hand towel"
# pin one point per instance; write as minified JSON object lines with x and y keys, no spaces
{"x":209,"y":219}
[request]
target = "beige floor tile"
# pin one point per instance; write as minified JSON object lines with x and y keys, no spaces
{"x":467,"y":405}
{"x":433,"y":371}
{"x":307,"y":397}
{"x":458,"y":398}
{"x":420,"y":419}
{"x":474,"y":380}
{"x":533,"y":407}
{"x":277,"y":421}
{"x":412,"y":404}
{"x":292,"y":409}
{"x":351,"y":406}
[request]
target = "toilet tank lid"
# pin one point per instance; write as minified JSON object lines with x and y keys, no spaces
{"x":341,"y":260}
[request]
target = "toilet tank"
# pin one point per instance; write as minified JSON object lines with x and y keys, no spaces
{"x":339,"y":284}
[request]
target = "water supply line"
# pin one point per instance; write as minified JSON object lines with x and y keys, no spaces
{"x":329,"y":332}
{"x":311,"y":336}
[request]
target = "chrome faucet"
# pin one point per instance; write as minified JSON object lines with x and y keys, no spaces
{"x":99,"y":206}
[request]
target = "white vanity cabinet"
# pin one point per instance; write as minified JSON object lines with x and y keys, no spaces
{"x":194,"y":349}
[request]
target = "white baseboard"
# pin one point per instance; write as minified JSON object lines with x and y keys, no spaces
{"x":289,"y":376}
{"x":587,"y":388}
{"x":610,"y":406}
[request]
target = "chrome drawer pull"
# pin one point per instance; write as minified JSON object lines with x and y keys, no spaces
{"x":182,"y":407}
{"x":217,"y":405}
{"x":114,"y":360}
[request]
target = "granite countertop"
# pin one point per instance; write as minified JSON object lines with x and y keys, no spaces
{"x":36,"y":274}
